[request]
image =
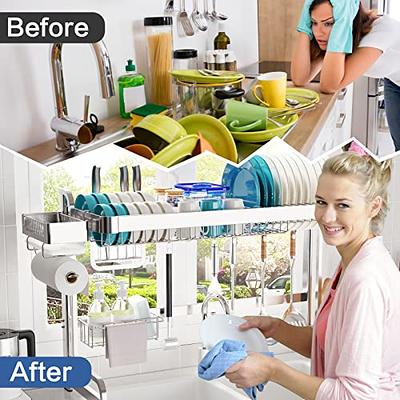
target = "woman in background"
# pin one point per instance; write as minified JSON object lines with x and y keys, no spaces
{"x":354,"y":348}
{"x":342,"y":40}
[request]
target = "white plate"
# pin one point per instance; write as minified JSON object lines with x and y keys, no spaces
{"x":144,"y":210}
{"x":283,"y":180}
{"x":113,"y":197}
{"x":136,"y":236}
{"x":292,"y":183}
{"x":305,"y":172}
{"x":155,"y":208}
{"x":300,"y":177}
{"x":220,"y":326}
{"x":275,"y":176}
{"x":146,"y":196}
{"x":135,"y":196}
{"x":124,"y":197}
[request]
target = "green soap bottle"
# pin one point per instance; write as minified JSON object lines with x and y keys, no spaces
{"x":131,"y":90}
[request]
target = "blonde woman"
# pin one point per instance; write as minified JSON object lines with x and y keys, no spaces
{"x":343,"y":41}
{"x":354,"y":344}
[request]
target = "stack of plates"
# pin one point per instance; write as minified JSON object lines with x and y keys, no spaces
{"x":274,"y":180}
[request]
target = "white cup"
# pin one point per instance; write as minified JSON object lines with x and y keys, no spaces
{"x":234,"y":204}
{"x":185,"y":206}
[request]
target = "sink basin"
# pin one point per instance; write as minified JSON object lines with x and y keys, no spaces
{"x":175,"y":389}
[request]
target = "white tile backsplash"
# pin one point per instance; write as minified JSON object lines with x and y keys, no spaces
{"x":11,"y":249}
{"x":13,"y":296}
{"x":4,"y":296}
{"x":2,"y":250}
{"x":9,"y":188}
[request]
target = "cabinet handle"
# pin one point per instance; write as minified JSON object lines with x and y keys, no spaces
{"x":340,"y":121}
{"x":342,"y":94}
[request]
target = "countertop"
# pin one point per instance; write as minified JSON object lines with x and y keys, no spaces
{"x":302,"y":136}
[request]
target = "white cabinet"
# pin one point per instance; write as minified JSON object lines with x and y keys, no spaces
{"x":337,"y":127}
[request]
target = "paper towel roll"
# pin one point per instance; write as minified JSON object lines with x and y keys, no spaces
{"x":64,"y":274}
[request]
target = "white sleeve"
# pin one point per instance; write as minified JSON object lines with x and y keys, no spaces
{"x":385,"y":34}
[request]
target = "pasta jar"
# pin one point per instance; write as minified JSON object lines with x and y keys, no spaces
{"x":158,"y":32}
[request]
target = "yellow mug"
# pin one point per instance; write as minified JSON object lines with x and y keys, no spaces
{"x":273,"y":89}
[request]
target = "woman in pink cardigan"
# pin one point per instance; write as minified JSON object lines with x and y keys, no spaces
{"x":355,"y":342}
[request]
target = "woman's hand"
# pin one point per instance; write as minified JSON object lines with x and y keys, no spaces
{"x":267,"y":325}
{"x":252,"y":371}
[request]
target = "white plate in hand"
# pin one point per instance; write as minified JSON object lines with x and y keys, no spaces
{"x":221,"y":327}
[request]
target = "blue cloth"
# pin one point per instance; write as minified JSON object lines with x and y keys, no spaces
{"x":341,"y":37}
{"x":305,"y":24}
{"x":392,"y":107}
{"x":221,"y":357}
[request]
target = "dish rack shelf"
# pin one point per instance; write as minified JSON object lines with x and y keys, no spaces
{"x":95,"y":335}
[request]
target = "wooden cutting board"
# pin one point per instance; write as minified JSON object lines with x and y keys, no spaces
{"x":277,"y":21}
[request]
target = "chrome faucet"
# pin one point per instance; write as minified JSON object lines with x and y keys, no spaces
{"x":69,"y":131}
{"x":214,"y":296}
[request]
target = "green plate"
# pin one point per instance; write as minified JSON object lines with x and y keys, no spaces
{"x":214,"y":131}
{"x":262,"y":136}
{"x":194,"y":76}
{"x":310,"y":98}
{"x":177,"y":151}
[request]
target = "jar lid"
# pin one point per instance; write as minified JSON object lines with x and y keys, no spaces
{"x":185,"y":53}
{"x":157,"y":21}
{"x":223,"y":94}
{"x":174,"y":192}
{"x":162,"y":190}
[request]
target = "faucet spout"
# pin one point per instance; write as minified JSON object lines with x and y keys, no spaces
{"x":214,"y":296}
{"x":67,"y":129}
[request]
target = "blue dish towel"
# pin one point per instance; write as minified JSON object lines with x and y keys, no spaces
{"x":221,"y":357}
{"x":305,"y":24}
{"x":341,"y":37}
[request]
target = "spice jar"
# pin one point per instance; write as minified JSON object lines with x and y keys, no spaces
{"x":159,"y":54}
{"x":185,"y":59}
{"x":174,"y":196}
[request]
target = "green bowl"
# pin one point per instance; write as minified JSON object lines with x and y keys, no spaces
{"x":267,"y":134}
{"x":157,"y":131}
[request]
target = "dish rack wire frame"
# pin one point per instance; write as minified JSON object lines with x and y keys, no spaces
{"x":286,"y":217}
{"x":95,"y":336}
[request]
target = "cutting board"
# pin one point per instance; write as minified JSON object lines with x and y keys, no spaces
{"x":277,"y":21}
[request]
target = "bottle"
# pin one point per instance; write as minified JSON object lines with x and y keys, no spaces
{"x":121,"y":309}
{"x":99,"y":311}
{"x":131,"y":90}
{"x":222,"y":40}
{"x":230,"y":61}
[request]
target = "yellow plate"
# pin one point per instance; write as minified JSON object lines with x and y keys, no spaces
{"x":177,"y":151}
{"x":262,"y":136}
{"x":194,"y":76}
{"x":214,"y":131}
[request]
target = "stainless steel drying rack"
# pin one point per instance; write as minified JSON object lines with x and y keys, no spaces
{"x":67,"y":232}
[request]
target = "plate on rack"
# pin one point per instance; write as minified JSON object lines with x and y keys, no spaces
{"x":266,"y":180}
{"x":244,"y":184}
{"x":221,"y":327}
{"x":284,"y":183}
{"x":276,"y":179}
{"x":301,"y":177}
{"x":253,"y":167}
{"x":295,"y":190}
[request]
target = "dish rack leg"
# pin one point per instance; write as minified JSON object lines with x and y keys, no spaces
{"x":87,"y":392}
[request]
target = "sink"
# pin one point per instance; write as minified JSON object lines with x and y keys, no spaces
{"x":175,"y":389}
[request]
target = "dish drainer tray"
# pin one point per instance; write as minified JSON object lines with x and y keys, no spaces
{"x":95,"y":335}
{"x":54,"y":228}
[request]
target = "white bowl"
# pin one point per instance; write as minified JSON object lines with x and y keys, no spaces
{"x":220,"y":327}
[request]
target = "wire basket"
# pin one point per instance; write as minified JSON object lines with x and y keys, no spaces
{"x":95,"y":335}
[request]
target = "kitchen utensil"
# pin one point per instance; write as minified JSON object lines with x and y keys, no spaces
{"x":195,"y":76}
{"x":292,"y":102}
{"x":291,"y":315}
{"x":184,"y":21}
{"x":86,"y":108}
{"x":220,"y":327}
{"x":207,"y":14}
{"x":136,"y":178}
{"x":169,"y":7}
{"x":157,"y":131}
{"x":198,"y":18}
{"x":267,"y":134}
{"x":243,"y":184}
{"x":124,"y":178}
{"x":170,"y":341}
{"x":217,"y":15}
{"x":214,"y":131}
{"x":9,"y":347}
{"x":96,"y":181}
{"x":273,"y":89}
{"x":177,"y":151}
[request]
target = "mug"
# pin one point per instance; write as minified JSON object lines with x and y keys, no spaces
{"x":273,"y":89}
{"x":211,"y":204}
{"x":189,"y":205}
{"x":244,"y":117}
{"x":234,"y":204}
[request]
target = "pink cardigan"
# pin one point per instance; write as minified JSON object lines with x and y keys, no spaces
{"x":362,"y":344}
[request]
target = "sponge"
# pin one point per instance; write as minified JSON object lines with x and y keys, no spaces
{"x":149,"y":109}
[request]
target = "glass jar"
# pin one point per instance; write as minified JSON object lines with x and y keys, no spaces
{"x":158,"y":32}
{"x":185,"y":59}
{"x":174,"y":196}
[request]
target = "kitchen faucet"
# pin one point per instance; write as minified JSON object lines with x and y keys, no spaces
{"x":69,"y":130}
{"x":214,"y":296}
